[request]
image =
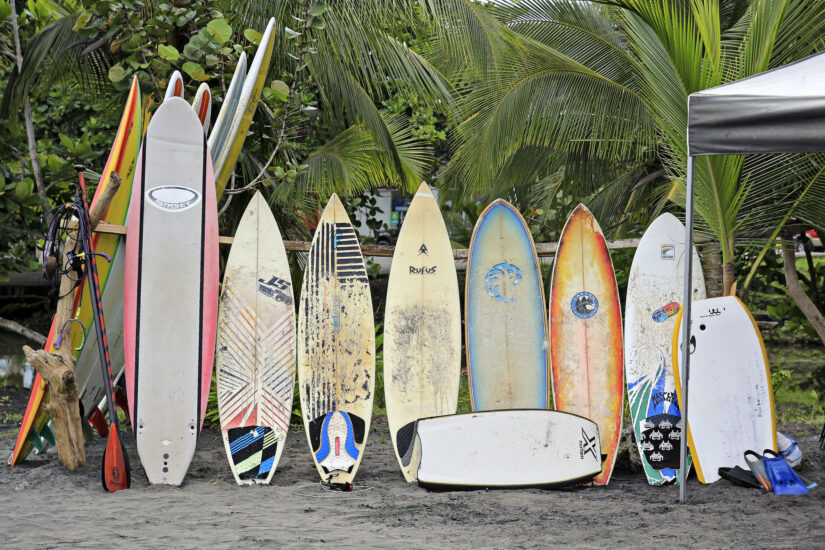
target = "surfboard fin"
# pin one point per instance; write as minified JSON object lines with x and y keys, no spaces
{"x":783,"y":479}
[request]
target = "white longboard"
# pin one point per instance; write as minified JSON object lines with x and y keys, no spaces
{"x":255,"y":358}
{"x":730,"y":398}
{"x":508,"y":448}
{"x":422,"y":328}
{"x":170,"y":291}
{"x":655,"y":290}
{"x":336,"y":348}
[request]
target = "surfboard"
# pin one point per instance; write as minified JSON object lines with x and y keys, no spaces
{"x":505,"y":315}
{"x":88,"y":371}
{"x":202,"y":105}
{"x":336,"y":347}
{"x":250,"y":93}
{"x":217,"y":137}
{"x":121,"y":159}
{"x":175,"y":86}
{"x":508,"y":448}
{"x":586,"y":332}
{"x":654,"y":296}
{"x":255,"y":358}
{"x":730,"y":398}
{"x":171,"y":291}
{"x":422,"y":328}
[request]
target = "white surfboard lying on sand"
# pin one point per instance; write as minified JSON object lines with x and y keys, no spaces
{"x":730,"y":398}
{"x":508,"y":448}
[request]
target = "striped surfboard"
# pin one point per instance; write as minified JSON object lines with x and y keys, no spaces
{"x":336,"y":348}
{"x":255,"y":358}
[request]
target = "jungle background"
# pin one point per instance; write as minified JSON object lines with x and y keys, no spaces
{"x":546,"y":104}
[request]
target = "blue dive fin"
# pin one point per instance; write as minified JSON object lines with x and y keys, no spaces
{"x":783,"y":479}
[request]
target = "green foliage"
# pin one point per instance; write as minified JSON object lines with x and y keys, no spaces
{"x":592,"y":97}
{"x":150,"y":42}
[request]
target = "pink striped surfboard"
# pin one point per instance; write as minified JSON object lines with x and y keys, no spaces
{"x":170,"y":291}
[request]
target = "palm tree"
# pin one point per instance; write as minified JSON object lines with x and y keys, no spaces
{"x":594,"y":94}
{"x":337,"y":54}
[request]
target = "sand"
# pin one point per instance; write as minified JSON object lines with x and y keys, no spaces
{"x":45,"y":506}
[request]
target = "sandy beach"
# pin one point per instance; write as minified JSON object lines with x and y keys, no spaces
{"x":45,"y":506}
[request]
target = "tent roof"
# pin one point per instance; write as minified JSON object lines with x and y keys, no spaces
{"x":778,"y":111}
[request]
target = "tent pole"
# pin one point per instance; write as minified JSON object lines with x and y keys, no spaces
{"x":688,"y":295}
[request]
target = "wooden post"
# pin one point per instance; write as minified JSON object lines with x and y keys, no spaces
{"x":57,"y":369}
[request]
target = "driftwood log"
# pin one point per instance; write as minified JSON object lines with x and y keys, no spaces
{"x":63,"y":405}
{"x":57,"y":368}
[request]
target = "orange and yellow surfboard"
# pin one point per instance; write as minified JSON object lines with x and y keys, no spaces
{"x":121,"y":160}
{"x":586,"y":332}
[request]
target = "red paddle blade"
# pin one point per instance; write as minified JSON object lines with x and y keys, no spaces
{"x":115,"y":474}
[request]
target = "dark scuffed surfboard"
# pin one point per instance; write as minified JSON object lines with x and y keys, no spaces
{"x":336,"y":348}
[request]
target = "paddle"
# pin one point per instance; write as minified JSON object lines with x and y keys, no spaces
{"x":115,"y":474}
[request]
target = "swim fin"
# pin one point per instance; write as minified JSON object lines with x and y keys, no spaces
{"x":741,"y":477}
{"x":754,"y":461}
{"x":783,"y":479}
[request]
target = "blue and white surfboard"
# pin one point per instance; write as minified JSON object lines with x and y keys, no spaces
{"x":506,"y":317}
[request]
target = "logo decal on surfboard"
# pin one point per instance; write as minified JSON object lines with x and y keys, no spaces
{"x":668,"y":252}
{"x":584,"y":305}
{"x":173,"y":198}
{"x":664,"y":313}
{"x":587,"y":445}
{"x":423,"y":250}
{"x":275,"y":288}
{"x":500,"y":279}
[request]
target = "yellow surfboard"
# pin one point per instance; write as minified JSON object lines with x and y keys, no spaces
{"x":422,"y":329}
{"x":121,"y":160}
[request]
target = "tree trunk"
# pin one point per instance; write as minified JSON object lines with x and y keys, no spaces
{"x":797,"y":294}
{"x":37,"y":171}
{"x":806,"y":246}
{"x":712,"y":267}
{"x":26,"y":332}
{"x":728,"y":278}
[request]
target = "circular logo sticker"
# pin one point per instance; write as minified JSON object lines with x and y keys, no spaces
{"x":584,"y":305}
{"x":173,"y":198}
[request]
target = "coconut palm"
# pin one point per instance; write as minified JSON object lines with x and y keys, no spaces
{"x":602,"y":87}
{"x":338,"y":54}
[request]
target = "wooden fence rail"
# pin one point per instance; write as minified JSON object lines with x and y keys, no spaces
{"x":377,"y":250}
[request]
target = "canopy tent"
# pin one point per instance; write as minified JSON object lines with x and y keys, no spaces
{"x":778,"y":111}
